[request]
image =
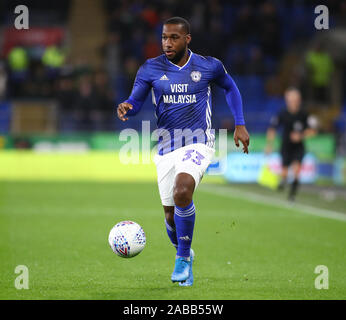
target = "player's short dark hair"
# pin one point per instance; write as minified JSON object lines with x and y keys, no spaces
{"x":179,"y":20}
{"x":292,"y":88}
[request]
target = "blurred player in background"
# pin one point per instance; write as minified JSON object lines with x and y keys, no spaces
{"x":296,"y":125}
{"x":179,"y":81}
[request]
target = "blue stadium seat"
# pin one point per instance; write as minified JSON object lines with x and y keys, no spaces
{"x":5,"y":117}
{"x":274,"y":104}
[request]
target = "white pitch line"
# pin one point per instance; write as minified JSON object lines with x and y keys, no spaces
{"x":271,"y":201}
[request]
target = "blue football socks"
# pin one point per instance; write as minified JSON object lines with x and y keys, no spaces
{"x":184,"y":219}
{"x":171,"y":234}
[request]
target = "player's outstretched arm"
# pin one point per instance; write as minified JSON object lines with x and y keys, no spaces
{"x":240,"y":133}
{"x":122,"y":110}
{"x":234,"y":101}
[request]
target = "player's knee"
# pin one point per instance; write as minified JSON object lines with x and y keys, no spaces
{"x":182,"y":196}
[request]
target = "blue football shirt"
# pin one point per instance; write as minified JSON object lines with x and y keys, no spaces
{"x":182,"y":98}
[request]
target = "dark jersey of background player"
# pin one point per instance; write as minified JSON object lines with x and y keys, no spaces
{"x":295,"y":125}
{"x":291,"y":123}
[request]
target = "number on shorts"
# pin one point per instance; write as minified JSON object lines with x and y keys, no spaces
{"x":197,"y":159}
{"x":188,"y":154}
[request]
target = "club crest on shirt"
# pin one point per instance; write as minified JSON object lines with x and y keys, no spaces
{"x":195,"y":76}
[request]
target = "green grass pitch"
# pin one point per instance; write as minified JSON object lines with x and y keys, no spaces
{"x":244,"y":250}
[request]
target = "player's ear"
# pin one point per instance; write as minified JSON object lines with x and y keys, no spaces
{"x":188,"y":38}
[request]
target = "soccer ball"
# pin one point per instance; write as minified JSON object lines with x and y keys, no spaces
{"x":127,"y":239}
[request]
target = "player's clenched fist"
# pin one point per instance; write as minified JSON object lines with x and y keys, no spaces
{"x":122,"y":109}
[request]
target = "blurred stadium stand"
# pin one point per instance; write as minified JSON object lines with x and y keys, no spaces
{"x":80,"y":57}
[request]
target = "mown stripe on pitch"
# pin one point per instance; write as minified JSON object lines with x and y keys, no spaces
{"x":271,"y":201}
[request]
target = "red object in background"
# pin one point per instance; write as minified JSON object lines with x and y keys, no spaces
{"x":150,"y":16}
{"x":151,"y":50}
{"x":31,"y":37}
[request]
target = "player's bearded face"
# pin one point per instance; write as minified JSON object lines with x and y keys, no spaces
{"x":177,"y":56}
{"x":174,"y":42}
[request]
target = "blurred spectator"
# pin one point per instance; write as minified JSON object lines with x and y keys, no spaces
{"x":18,"y":63}
{"x":86,"y":101}
{"x":38,"y":86}
{"x":320,"y":68}
{"x":197,"y":17}
{"x":255,"y":64}
{"x":112,"y":54}
{"x":269,"y":29}
{"x":214,"y":43}
{"x":245,"y":23}
{"x":151,"y":48}
{"x":150,"y":16}
{"x":18,"y":60}
{"x":3,"y":81}
{"x":102,"y":113}
{"x":53,"y":59}
{"x":131,"y":68}
{"x":65,"y":96}
{"x":236,"y":59}
{"x":340,"y":13}
{"x":138,"y":43}
{"x":90,"y":107}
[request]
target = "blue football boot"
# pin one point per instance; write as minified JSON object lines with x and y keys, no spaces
{"x":189,"y":280}
{"x":181,"y":269}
